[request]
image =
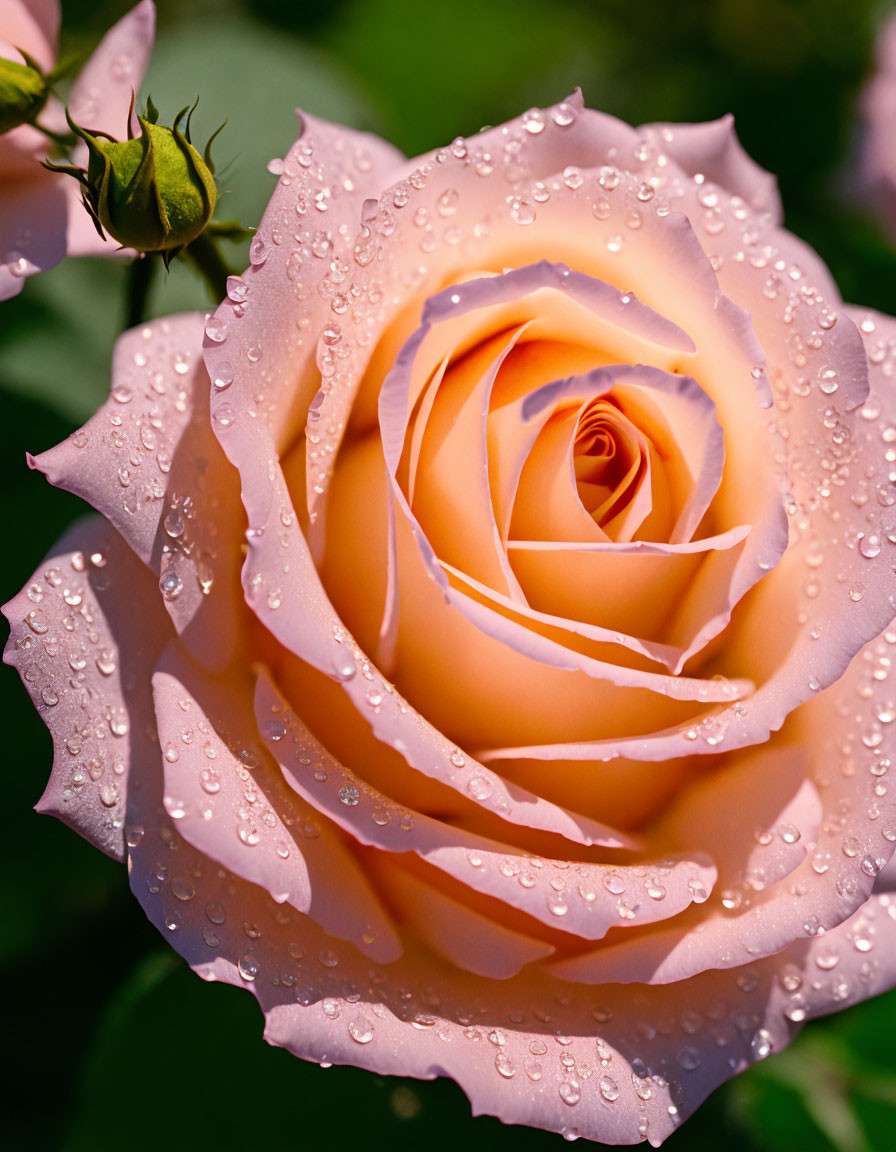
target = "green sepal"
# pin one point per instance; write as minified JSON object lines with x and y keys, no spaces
{"x":24,"y":89}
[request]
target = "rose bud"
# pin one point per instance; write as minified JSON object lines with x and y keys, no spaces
{"x":23,"y":91}
{"x":152,"y":193}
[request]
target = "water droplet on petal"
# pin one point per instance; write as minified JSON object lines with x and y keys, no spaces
{"x":361,"y":1030}
{"x":349,"y":795}
{"x":569,"y":1092}
{"x":216,"y":329}
{"x":248,"y":967}
{"x":171,"y":585}
{"x":223,"y":375}
{"x":533,"y":121}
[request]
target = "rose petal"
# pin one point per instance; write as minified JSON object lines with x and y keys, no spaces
{"x":253,"y":826}
{"x":593,"y":135}
{"x":713,"y":151}
{"x":452,"y":478}
{"x":471,"y":941}
{"x":757,"y":815}
{"x":469,"y":304}
{"x":488,"y":867}
{"x":696,"y":582}
{"x":327,"y":175}
{"x":85,"y":657}
{"x":32,"y":25}
{"x":658,"y":1058}
{"x":279,"y":574}
{"x":101,"y":95}
{"x":483,"y":699}
{"x":150,"y":463}
{"x":848,"y":848}
{"x":32,"y":229}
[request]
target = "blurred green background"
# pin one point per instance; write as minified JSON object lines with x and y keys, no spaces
{"x":111,"y":1043}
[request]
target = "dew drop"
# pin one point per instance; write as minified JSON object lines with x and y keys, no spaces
{"x":480,"y":787}
{"x":788,"y":833}
{"x":521,"y":211}
{"x":36,"y":622}
{"x":174,"y":523}
{"x":216,"y":330}
{"x":689,"y":1058}
{"x":533,"y":121}
{"x":224,"y":415}
{"x":223,"y":376}
{"x":258,"y":251}
{"x":182,"y":887}
{"x":349,"y":795}
{"x":614,"y":883}
{"x":214,"y":910}
{"x":361,"y":1030}
{"x":557,"y":904}
{"x":171,"y":586}
{"x":248,"y":966}
{"x":563,"y":115}
{"x":237,"y":289}
{"x":569,"y":1092}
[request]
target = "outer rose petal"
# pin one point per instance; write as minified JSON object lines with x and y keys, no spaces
{"x":658,"y":1053}
{"x":85,"y":657}
{"x":149,"y":462}
{"x":714,"y":151}
{"x":327,"y":175}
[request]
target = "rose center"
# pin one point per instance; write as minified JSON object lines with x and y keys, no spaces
{"x":608,"y":460}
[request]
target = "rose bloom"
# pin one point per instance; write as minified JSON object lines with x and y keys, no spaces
{"x":41,"y":218}
{"x":482,"y":657}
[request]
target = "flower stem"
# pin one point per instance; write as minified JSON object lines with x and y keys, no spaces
{"x":140,"y":277}
{"x":210,"y":264}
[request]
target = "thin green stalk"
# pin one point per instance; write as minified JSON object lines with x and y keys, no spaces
{"x":140,"y":277}
{"x":210,"y":264}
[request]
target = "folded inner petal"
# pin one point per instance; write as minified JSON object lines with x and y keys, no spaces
{"x":237,"y":811}
{"x":539,"y":887}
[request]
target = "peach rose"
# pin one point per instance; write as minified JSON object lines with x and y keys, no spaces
{"x":529,"y":722}
{"x":41,"y":216}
